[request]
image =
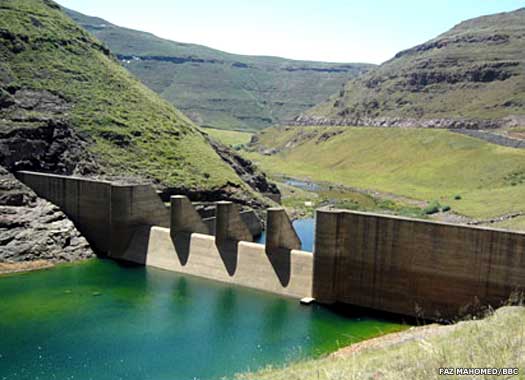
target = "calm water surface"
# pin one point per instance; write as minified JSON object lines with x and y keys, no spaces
{"x":98,"y":320}
{"x":305,"y":231}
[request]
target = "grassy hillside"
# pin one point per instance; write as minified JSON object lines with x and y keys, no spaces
{"x":230,"y":138}
{"x":494,"y":342}
{"x":476,"y":70}
{"x":129,"y":128}
{"x":219,"y":89}
{"x":417,"y":163}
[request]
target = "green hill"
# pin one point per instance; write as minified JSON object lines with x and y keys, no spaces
{"x":219,"y":89}
{"x":425,"y":164}
{"x":68,"y":106}
{"x":476,"y":70}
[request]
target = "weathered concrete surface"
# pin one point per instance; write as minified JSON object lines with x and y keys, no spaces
{"x":414,"y":267}
{"x":280,"y":232}
{"x":198,"y":255}
{"x":249,"y":217}
{"x":107,"y":214}
{"x":229,"y":225}
{"x":184,"y":217}
{"x":133,"y":207}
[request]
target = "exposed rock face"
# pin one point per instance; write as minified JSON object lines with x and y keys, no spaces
{"x":50,"y":146}
{"x":349,"y":120}
{"x":35,"y":135}
{"x":245,"y":169}
{"x":34,"y":229}
{"x":471,"y":77}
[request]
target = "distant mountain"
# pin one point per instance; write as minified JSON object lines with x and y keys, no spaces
{"x":475,"y":71}
{"x":219,"y":89}
{"x":67,"y":106}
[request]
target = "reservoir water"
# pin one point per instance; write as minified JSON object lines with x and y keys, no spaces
{"x":99,"y":320}
{"x":305,"y":231}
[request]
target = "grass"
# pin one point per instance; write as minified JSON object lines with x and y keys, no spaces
{"x":108,"y":105}
{"x":231,"y":138}
{"x":417,"y":163}
{"x":302,"y":203}
{"x":495,"y":342}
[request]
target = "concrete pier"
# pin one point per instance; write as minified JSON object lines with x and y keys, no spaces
{"x":184,"y":217}
{"x":229,"y":225}
{"x":280,"y":233}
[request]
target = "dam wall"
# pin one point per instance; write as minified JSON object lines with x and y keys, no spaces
{"x":414,"y":267}
{"x":230,"y":256}
{"x":107,"y":214}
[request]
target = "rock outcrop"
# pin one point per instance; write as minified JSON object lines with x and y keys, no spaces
{"x":33,"y":229}
{"x":347,"y":119}
{"x":470,"y":77}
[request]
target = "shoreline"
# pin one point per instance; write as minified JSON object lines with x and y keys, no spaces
{"x":25,"y":266}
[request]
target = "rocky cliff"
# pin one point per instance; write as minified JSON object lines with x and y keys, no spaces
{"x":472,"y":76}
{"x":34,"y":229}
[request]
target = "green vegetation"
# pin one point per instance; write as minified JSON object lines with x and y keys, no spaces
{"x":231,"y":138}
{"x":495,"y":342}
{"x":300,"y":202}
{"x":219,"y":89}
{"x":475,"y":70}
{"x":423,"y":164}
{"x":432,"y":208}
{"x":133,"y":131}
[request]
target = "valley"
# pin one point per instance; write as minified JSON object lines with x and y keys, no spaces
{"x":194,"y":213}
{"x":219,"y":89}
{"x":476,"y":179}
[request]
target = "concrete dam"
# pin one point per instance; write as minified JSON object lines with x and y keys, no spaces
{"x":401,"y":265}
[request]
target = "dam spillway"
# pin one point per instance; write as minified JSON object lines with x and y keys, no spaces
{"x":401,"y":265}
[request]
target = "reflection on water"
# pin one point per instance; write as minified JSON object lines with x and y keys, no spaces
{"x":100,"y":321}
{"x":305,"y":229}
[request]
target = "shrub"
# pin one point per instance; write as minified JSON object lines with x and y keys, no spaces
{"x":432,"y":208}
{"x":457,"y":197}
{"x":445,"y":208}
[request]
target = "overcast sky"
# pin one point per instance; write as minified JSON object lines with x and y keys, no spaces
{"x":324,"y":30}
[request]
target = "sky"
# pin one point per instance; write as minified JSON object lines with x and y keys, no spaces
{"x":321,"y":30}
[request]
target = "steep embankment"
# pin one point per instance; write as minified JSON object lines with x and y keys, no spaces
{"x":67,"y":106}
{"x":75,"y":109}
{"x":475,"y":71}
{"x":419,"y":353}
{"x":221,"y":89}
{"x":425,"y":164}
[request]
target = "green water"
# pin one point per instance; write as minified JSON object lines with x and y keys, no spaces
{"x":98,"y":320}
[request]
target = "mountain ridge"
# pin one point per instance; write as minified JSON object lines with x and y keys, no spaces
{"x":472,"y":74}
{"x":217,"y":88}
